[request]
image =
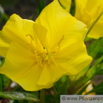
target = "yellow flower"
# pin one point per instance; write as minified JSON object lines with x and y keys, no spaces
{"x":88,"y":11}
{"x":66,"y":4}
{"x":39,"y":53}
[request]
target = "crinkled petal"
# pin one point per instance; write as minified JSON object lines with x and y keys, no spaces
{"x":20,"y":65}
{"x":45,"y":76}
{"x":30,"y":79}
{"x":19,"y":30}
{"x":73,"y":57}
{"x":58,"y":22}
{"x":18,"y":60}
{"x":51,"y":73}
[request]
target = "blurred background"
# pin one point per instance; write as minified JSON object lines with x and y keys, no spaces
{"x":27,"y":9}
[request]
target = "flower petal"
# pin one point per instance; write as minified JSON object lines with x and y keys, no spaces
{"x":17,"y":29}
{"x":18,"y":60}
{"x":22,"y":68}
{"x":73,"y":57}
{"x":97,"y":30}
{"x":3,"y":48}
{"x":50,"y":74}
{"x":45,"y":76}
{"x":88,"y":11}
{"x":58,"y":22}
{"x":30,"y":78}
{"x":41,"y":33}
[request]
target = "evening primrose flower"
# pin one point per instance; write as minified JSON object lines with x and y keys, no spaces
{"x":38,"y":53}
{"x":88,"y":11}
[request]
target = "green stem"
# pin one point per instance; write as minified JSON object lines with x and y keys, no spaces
{"x":55,"y":91}
{"x":42,"y":96}
{"x":94,"y":24}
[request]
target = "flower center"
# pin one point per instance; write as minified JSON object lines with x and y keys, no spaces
{"x":42,"y":58}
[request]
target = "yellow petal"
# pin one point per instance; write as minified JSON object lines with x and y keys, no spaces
{"x":56,"y":72}
{"x":58,"y":22}
{"x":45,"y":76}
{"x":41,"y":33}
{"x":18,"y":60}
{"x":73,"y":57}
{"x":3,"y":48}
{"x":97,"y":30}
{"x":17,"y":29}
{"x":50,"y":74}
{"x":88,"y":11}
{"x":30,"y":78}
{"x":23,"y":68}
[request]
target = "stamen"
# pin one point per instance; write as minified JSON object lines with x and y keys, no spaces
{"x":61,"y":40}
{"x":32,"y":39}
{"x":30,"y":36}
{"x":58,"y":46}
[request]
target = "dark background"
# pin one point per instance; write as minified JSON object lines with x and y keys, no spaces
{"x":27,"y":9}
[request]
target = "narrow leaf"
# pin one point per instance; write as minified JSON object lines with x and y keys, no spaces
{"x":95,"y":47}
{"x":0,"y":82}
{"x":19,"y":96}
{"x":93,"y":70}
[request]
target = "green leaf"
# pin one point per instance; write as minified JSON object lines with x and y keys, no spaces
{"x":82,"y":73}
{"x":0,"y":82}
{"x":100,"y":69}
{"x":60,"y":87}
{"x":5,"y":80}
{"x":72,"y":10}
{"x":19,"y":96}
{"x":86,"y":77}
{"x":41,"y":5}
{"x":95,"y":47}
{"x":101,"y":50}
{"x":5,"y":17}
{"x":93,"y":70}
{"x":98,"y":89}
{"x":64,"y":85}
